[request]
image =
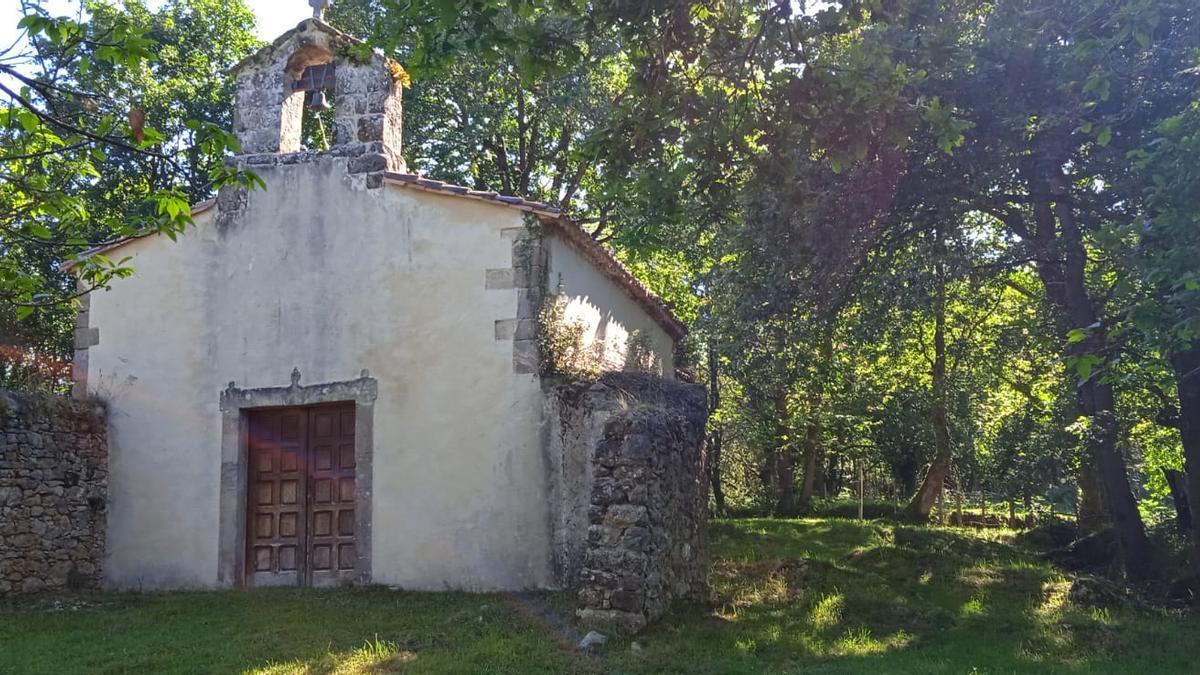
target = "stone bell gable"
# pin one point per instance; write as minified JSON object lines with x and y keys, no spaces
{"x":271,"y":88}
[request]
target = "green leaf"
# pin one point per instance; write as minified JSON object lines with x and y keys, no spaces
{"x":1084,"y":365}
{"x":29,"y":121}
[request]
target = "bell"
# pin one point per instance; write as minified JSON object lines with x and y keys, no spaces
{"x":319,"y":102}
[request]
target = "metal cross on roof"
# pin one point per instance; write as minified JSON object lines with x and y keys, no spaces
{"x":319,"y":7}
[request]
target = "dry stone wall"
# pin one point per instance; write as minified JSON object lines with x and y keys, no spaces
{"x":636,"y":541}
{"x":53,"y":487}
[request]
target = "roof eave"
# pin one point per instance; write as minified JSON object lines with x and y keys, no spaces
{"x":594,"y":251}
{"x":104,"y":249}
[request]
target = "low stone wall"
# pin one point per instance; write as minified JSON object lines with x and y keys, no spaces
{"x":53,"y":486}
{"x":641,"y":544}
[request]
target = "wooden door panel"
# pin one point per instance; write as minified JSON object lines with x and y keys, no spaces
{"x":332,"y":558}
{"x":300,"y":510}
{"x":277,"y":446}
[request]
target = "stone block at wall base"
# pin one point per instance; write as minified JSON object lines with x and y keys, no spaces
{"x":611,"y":621}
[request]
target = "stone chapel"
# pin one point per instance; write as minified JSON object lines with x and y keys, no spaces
{"x":337,"y":379}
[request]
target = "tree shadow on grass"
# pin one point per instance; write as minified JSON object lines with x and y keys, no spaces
{"x":811,"y":596}
{"x":874,"y":598}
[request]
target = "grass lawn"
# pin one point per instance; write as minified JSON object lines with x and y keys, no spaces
{"x":807,"y":596}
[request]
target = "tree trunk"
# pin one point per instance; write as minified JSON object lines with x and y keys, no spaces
{"x":1127,"y":520}
{"x":1186,"y":365}
{"x":935,"y":476}
{"x":812,"y":464}
{"x":1063,"y":270}
{"x":822,"y":479}
{"x":715,"y":435}
{"x":1177,"y":482}
{"x":766,"y":475}
{"x":833,"y":476}
{"x":1091,"y":511}
{"x":785,"y":460}
{"x":714,"y":471}
{"x":812,"y":430}
{"x":761,"y":404}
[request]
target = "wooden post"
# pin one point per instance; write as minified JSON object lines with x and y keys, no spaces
{"x":862,"y":481}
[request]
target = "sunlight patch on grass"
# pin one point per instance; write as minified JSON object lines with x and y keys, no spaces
{"x":827,"y":613}
{"x":1065,"y":630}
{"x":974,"y":607}
{"x":375,"y":657}
{"x":751,"y":585}
{"x":746,"y":646}
{"x":772,"y":589}
{"x":979,"y":576}
{"x":899,"y":640}
{"x":859,"y":642}
{"x":1054,"y":594}
{"x":728,"y":613}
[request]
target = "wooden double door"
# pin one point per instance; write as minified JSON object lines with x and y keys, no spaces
{"x":300,"y":506}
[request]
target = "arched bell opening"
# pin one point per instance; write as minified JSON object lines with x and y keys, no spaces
{"x":305,"y":93}
{"x":309,"y":106}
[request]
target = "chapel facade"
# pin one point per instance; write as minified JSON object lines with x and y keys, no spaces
{"x":340,"y":378}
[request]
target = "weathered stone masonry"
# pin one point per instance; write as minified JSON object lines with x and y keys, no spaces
{"x":268,"y":110}
{"x":53,"y":490}
{"x":630,"y":454}
{"x":528,"y":277}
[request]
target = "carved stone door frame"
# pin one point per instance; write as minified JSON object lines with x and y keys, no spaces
{"x":234,"y":402}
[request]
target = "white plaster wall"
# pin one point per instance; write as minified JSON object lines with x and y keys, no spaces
{"x":331,"y":280}
{"x":606,"y":311}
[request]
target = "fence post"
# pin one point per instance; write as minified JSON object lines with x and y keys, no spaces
{"x":862,"y":481}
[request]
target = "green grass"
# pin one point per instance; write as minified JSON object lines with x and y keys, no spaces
{"x":282,"y":631}
{"x":829,"y":596}
{"x":804,"y":596}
